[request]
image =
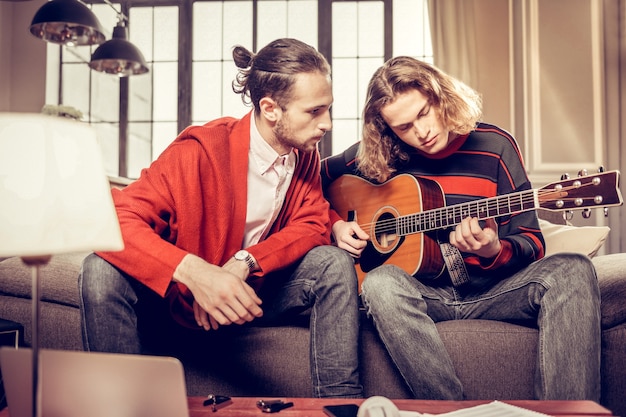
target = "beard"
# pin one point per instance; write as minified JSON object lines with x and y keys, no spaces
{"x":286,"y":137}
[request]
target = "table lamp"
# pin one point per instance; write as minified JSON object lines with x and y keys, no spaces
{"x":55,"y":198}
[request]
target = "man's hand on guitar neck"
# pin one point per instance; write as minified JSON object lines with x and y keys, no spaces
{"x":350,"y":237}
{"x":469,"y":237}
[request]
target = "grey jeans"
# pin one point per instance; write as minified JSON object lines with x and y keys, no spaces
{"x":559,"y":293}
{"x":121,"y":315}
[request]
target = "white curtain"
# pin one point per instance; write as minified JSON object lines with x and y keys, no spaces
{"x":453,"y":34}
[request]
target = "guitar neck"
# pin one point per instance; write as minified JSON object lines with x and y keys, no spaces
{"x":350,"y":195}
{"x":444,"y":217}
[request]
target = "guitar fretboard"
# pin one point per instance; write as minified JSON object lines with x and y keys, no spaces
{"x":444,"y":217}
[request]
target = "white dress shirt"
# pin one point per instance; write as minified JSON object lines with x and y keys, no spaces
{"x":269,"y":176}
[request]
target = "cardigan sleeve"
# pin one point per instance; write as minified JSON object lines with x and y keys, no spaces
{"x":334,"y":167}
{"x":149,"y":222}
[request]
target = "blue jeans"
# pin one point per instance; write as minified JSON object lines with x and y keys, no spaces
{"x":121,"y":315}
{"x":559,"y":293}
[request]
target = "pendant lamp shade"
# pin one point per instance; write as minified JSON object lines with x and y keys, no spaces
{"x":67,"y":22}
{"x":118,"y":56}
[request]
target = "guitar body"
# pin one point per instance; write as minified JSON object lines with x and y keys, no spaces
{"x":403,"y":215}
{"x":376,"y":206}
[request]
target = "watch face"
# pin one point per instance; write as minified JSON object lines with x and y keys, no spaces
{"x":243,"y":255}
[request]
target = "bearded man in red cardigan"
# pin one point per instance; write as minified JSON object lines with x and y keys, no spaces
{"x":229,"y":226}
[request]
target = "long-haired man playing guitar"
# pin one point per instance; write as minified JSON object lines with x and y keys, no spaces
{"x":418,"y":120}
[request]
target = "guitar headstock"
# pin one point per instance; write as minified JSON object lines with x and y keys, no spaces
{"x":597,"y":190}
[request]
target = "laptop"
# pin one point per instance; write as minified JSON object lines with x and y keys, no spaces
{"x":90,"y":384}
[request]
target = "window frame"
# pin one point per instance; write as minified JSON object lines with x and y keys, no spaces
{"x":185,"y":61}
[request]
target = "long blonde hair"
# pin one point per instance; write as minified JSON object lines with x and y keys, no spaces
{"x":380,"y":149}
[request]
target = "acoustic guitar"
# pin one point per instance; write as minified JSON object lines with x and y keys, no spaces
{"x":402,"y":215}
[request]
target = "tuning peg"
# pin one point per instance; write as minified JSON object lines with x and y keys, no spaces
{"x":568,"y":215}
{"x":586,"y":213}
{"x":582,"y":173}
{"x":606,"y":209}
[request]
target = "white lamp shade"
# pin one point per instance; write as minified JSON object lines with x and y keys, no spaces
{"x":54,"y":194}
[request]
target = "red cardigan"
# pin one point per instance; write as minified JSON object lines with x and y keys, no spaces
{"x":193,"y":199}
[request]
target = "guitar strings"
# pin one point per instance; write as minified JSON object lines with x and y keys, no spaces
{"x":433,"y":219}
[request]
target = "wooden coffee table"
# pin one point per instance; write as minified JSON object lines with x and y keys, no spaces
{"x":312,"y":407}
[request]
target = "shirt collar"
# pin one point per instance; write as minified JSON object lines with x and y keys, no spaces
{"x":264,"y":155}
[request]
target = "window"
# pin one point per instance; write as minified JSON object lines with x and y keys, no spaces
{"x":188,"y":45}
{"x":364,"y":35}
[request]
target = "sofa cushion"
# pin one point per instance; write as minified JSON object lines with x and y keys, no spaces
{"x":579,"y":239}
{"x":488,"y":350}
{"x":248,"y":361}
{"x":612,"y":281}
{"x":613,"y":374}
{"x":58,"y":278}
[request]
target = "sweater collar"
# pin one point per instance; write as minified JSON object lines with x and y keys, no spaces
{"x":449,"y":150}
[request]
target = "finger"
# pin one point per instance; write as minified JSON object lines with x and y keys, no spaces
{"x":229,"y":312}
{"x":476,"y":231}
{"x":359,"y":233}
{"x":214,"y":323}
{"x":209,"y":323}
{"x":358,"y":243}
{"x":459,"y":233}
{"x":474,"y":225}
{"x":219,"y":313}
{"x":466,"y":225}
{"x":452,"y":238}
{"x":253,"y":306}
{"x":236,"y":313}
{"x":201,"y":316}
{"x":349,"y":245}
{"x":354,"y":246}
{"x":491,"y":224}
{"x":459,"y":236}
{"x":242,"y":307}
{"x":470,"y":228}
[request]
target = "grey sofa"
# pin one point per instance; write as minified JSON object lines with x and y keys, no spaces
{"x":494,"y":360}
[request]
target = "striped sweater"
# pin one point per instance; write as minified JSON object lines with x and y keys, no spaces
{"x":486,"y":163}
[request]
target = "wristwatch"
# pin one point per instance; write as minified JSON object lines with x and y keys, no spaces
{"x":244,"y":255}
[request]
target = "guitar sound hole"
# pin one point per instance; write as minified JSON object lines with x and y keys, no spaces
{"x":385,"y":231}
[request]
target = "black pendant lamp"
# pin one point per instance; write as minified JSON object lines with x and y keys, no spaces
{"x":118,"y":56}
{"x":67,"y":22}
